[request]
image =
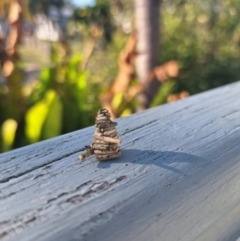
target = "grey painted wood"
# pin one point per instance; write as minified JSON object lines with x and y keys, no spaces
{"x":177,"y":179}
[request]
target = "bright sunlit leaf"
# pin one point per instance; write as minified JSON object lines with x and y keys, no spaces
{"x":117,"y":100}
{"x":39,"y":114}
{"x":126,"y":112}
{"x":53,"y":122}
{"x":8,"y":133}
{"x":82,"y":81}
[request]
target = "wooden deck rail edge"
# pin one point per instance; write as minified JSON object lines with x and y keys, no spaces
{"x":178,"y":179}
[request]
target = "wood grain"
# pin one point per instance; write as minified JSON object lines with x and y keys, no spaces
{"x":177,"y":179}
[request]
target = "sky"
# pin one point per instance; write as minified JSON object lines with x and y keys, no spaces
{"x":83,"y":3}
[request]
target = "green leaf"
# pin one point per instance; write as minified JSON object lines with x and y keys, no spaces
{"x":43,"y":115}
{"x":8,"y":133}
{"x":82,"y":81}
{"x":35,"y":117}
{"x":53,"y":123}
{"x":117,"y":100}
{"x":45,"y":74}
{"x":164,"y":91}
{"x":126,"y":112}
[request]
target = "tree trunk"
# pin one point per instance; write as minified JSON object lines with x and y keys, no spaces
{"x":147,"y":14}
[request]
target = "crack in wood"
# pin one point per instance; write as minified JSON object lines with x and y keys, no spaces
{"x":182,"y":166}
{"x":94,"y":189}
{"x":4,"y":180}
{"x":139,"y":127}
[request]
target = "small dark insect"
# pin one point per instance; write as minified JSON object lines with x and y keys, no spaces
{"x":106,"y":139}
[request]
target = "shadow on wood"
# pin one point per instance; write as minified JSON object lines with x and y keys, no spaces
{"x":163,"y":159}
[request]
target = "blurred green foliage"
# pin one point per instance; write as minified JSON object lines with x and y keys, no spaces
{"x":99,"y":16}
{"x":203,"y":36}
{"x":76,"y":93}
{"x":43,"y":119}
{"x":61,"y":101}
{"x":163,"y":93}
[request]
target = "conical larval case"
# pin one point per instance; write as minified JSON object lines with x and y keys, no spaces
{"x":106,"y":139}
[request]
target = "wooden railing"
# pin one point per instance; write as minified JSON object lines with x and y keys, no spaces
{"x":178,"y":179}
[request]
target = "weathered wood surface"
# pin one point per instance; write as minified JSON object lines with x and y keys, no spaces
{"x":178,"y":179}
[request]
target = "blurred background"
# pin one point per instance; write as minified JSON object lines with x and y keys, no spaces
{"x":62,"y":60}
